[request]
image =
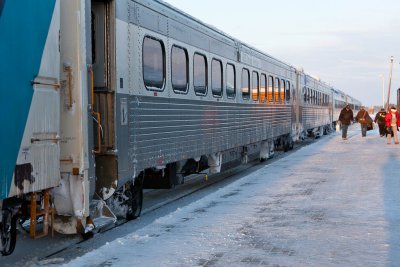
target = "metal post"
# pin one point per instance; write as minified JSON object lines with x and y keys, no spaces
{"x":390,"y":82}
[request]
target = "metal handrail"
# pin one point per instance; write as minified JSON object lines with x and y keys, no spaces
{"x":97,"y":114}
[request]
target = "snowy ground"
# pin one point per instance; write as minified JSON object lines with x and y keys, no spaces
{"x":333,"y":203}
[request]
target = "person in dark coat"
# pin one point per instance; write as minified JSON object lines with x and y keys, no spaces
{"x":380,"y":120}
{"x":364,"y":119}
{"x":345,"y":118}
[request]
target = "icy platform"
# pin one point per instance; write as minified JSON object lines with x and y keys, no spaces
{"x":332,"y":203}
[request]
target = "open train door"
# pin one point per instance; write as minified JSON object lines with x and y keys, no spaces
{"x":103,"y":94}
{"x":106,"y":111}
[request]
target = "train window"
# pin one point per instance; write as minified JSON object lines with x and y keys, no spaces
{"x":216,"y":77}
{"x":277,"y":90}
{"x":179,"y":69}
{"x":230,"y":81}
{"x":263,"y":85}
{"x":283,"y":90}
{"x":313,"y":96}
{"x":287,"y":94}
{"x":255,"y":86}
{"x":270,"y":88}
{"x":245,"y":84}
{"x":320,"y":98}
{"x":153,"y":63}
{"x":200,"y":74}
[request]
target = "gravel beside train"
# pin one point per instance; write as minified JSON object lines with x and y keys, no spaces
{"x":102,"y":99}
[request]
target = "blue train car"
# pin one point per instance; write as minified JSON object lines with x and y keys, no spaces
{"x":29,"y":104}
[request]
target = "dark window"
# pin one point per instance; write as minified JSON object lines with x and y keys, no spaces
{"x":153,"y":63}
{"x":216,"y":77}
{"x":200,"y":74}
{"x":255,"y":86}
{"x":270,"y":87}
{"x":314,"y":97}
{"x":263,"y":85}
{"x":245,"y":84}
{"x":319,"y":99}
{"x":287,"y":94}
{"x":179,"y":69}
{"x":230,"y":81}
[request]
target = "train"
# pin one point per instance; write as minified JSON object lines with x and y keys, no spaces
{"x":103,"y":99}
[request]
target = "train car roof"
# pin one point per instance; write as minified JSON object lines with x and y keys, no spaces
{"x":215,"y":30}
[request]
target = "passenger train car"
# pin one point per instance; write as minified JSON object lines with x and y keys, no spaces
{"x":106,"y":98}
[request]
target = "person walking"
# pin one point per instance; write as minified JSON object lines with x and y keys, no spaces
{"x":380,"y":120}
{"x":345,"y":118}
{"x":364,"y":119}
{"x":392,"y":122}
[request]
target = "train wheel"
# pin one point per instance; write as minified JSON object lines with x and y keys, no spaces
{"x":8,"y":229}
{"x":136,"y":201}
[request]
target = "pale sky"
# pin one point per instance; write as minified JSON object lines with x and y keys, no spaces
{"x":347,"y":43}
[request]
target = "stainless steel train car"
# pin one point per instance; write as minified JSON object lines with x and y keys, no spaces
{"x":106,"y":98}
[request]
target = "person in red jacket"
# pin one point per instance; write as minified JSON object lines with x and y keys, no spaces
{"x":392,"y":122}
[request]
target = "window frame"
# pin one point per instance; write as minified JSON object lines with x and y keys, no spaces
{"x":245,"y":96}
{"x":277,"y":83}
{"x":263,"y":99}
{"x":270,"y":87}
{"x":228,"y":95}
{"x":161,"y":42}
{"x":221,"y":89}
{"x":283,"y":91}
{"x":178,"y":91}
{"x":252,"y":85}
{"x":288,"y":91}
{"x":195,"y":88}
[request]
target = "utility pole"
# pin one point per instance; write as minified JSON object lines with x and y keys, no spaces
{"x":390,"y":82}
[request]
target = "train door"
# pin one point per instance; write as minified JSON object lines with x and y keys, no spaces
{"x":103,"y":96}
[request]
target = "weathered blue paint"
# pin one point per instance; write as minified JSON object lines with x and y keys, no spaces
{"x":24,"y":26}
{"x":1,"y":6}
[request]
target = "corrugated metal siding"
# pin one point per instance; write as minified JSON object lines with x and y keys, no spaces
{"x":315,"y":116}
{"x":163,"y":130}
